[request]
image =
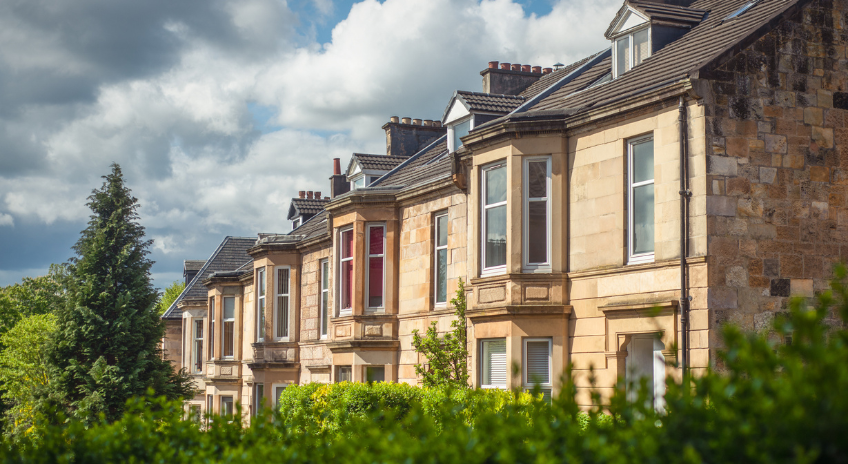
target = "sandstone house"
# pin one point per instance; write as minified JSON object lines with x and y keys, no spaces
{"x":698,"y":165}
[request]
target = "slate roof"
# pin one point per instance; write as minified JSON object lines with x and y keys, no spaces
{"x":476,"y":101}
{"x":313,"y":227}
{"x":376,"y":162}
{"x":551,"y":78}
{"x":660,"y":12}
{"x":193,"y":264}
{"x":231,"y":254}
{"x":305,"y":207}
{"x":708,"y":41}
{"x":420,"y":167}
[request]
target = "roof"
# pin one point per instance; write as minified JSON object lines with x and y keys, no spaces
{"x":230,"y":255}
{"x":305,"y":207}
{"x":709,"y":41}
{"x":313,"y":227}
{"x":477,"y":102}
{"x":421,"y":167}
{"x":375,"y":162}
{"x":193,"y":264}
{"x":660,"y":12}
{"x":551,"y":78}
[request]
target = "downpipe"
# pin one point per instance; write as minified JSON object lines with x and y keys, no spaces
{"x":685,"y":195}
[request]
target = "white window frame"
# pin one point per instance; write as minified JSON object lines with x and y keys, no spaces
{"x":340,"y":288}
{"x":323,"y":313}
{"x":277,"y":294}
{"x":224,"y":321}
{"x":642,"y":257}
{"x":197,"y":355}
{"x":368,"y":256}
{"x":436,"y":249}
{"x":494,"y":270}
{"x":276,"y":398}
{"x":616,"y":73}
{"x":483,"y":360}
{"x":451,"y":144}
{"x":528,"y":383}
{"x":525,"y":252}
{"x":296,"y":223}
{"x":261,"y":303}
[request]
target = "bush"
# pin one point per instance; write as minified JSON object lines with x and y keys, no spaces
{"x":777,"y":402}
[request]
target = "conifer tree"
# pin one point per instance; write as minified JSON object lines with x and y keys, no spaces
{"x":106,"y":347}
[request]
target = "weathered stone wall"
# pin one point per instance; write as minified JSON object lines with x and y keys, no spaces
{"x":313,"y":350}
{"x":416,"y":306}
{"x":777,"y":167}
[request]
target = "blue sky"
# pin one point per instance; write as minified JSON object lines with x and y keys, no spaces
{"x":219,"y":112}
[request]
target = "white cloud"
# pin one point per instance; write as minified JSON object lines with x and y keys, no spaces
{"x":6,"y":220}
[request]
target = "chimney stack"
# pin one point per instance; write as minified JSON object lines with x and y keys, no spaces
{"x":338,"y":181}
{"x":317,"y":195}
{"x":510,"y":79}
{"x":547,"y":70}
{"x":301,"y":194}
{"x":309,"y":195}
{"x":410,"y":135}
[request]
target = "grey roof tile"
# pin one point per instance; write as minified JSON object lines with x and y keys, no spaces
{"x":306,"y":207}
{"x":415,"y":170}
{"x":377,"y":162}
{"x":476,"y":101}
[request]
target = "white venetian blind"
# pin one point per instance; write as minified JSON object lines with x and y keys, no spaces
{"x":494,"y":363}
{"x":538,"y":362}
{"x":282,"y":316}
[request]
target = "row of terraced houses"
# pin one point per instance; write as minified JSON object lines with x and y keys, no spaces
{"x":614,"y":212}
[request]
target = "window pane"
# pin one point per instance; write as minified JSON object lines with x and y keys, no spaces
{"x":537,"y":177}
{"x":282,"y":281}
{"x":640,"y":46}
{"x":442,"y":230}
{"x":324,"y":305}
{"x":227,"y":406}
{"x":347,"y":244}
{"x":229,"y":308}
{"x":260,"y":280}
{"x":460,"y":130}
{"x":228,"y":338}
{"x":375,"y":240}
{"x":496,"y":236}
{"x":537,"y":227}
{"x":643,"y":161}
{"x":261,"y":318}
{"x":495,"y":185}
{"x":347,"y":279}
{"x":375,"y":282}
{"x":278,"y":391}
{"x":344,"y":374}
{"x":325,"y":275}
{"x":537,"y":361}
{"x":643,"y":219}
{"x":622,"y":50}
{"x":375,"y":374}
{"x":494,"y":363}
{"x":441,"y":276}
{"x":283,"y":316}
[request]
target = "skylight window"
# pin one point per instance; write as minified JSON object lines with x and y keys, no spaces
{"x":741,"y":10}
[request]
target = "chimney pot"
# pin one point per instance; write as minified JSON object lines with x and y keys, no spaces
{"x":326,"y":198}
{"x":416,"y":122}
{"x":437,"y":123}
{"x":301,"y":194}
{"x":547,"y":70}
{"x":516,"y":67}
{"x":525,"y":68}
{"x":537,"y":70}
{"x":427,"y":122}
{"x":317,"y":195}
{"x":337,"y":166}
{"x":493,"y":65}
{"x":406,"y":120}
{"x":505,"y":66}
{"x":309,"y":195}
{"x":394,"y":119}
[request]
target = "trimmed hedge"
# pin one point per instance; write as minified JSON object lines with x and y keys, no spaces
{"x":778,"y":401}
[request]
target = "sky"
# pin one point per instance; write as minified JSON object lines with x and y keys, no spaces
{"x":219,"y":112}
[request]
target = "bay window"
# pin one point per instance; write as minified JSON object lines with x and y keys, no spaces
{"x":346,"y":272}
{"x":441,"y":257}
{"x":260,"y":304}
{"x":228,"y":327}
{"x":376,"y":267}
{"x":537,"y":213}
{"x":537,"y":365}
{"x":197,"y":350}
{"x":325,"y":296}
{"x":281,"y":308}
{"x":631,"y":50}
{"x":494,"y":218}
{"x":493,"y":363}
{"x":640,"y":160}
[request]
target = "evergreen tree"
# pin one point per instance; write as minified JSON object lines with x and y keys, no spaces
{"x":106,"y":348}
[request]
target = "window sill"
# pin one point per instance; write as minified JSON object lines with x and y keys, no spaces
{"x":641,"y":259}
{"x":494,"y":271}
{"x":537,"y":270}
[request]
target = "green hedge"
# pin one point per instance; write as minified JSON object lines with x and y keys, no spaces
{"x":776,"y":402}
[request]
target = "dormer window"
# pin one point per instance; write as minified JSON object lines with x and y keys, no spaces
{"x":630,"y":50}
{"x":458,"y":130}
{"x":296,"y":223}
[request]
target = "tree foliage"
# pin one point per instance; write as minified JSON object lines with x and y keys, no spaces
{"x":169,"y":296}
{"x":23,"y":368}
{"x":447,"y":356}
{"x":33,"y":295}
{"x":106,"y":349}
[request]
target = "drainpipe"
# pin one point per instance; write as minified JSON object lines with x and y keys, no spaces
{"x":685,"y":195}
